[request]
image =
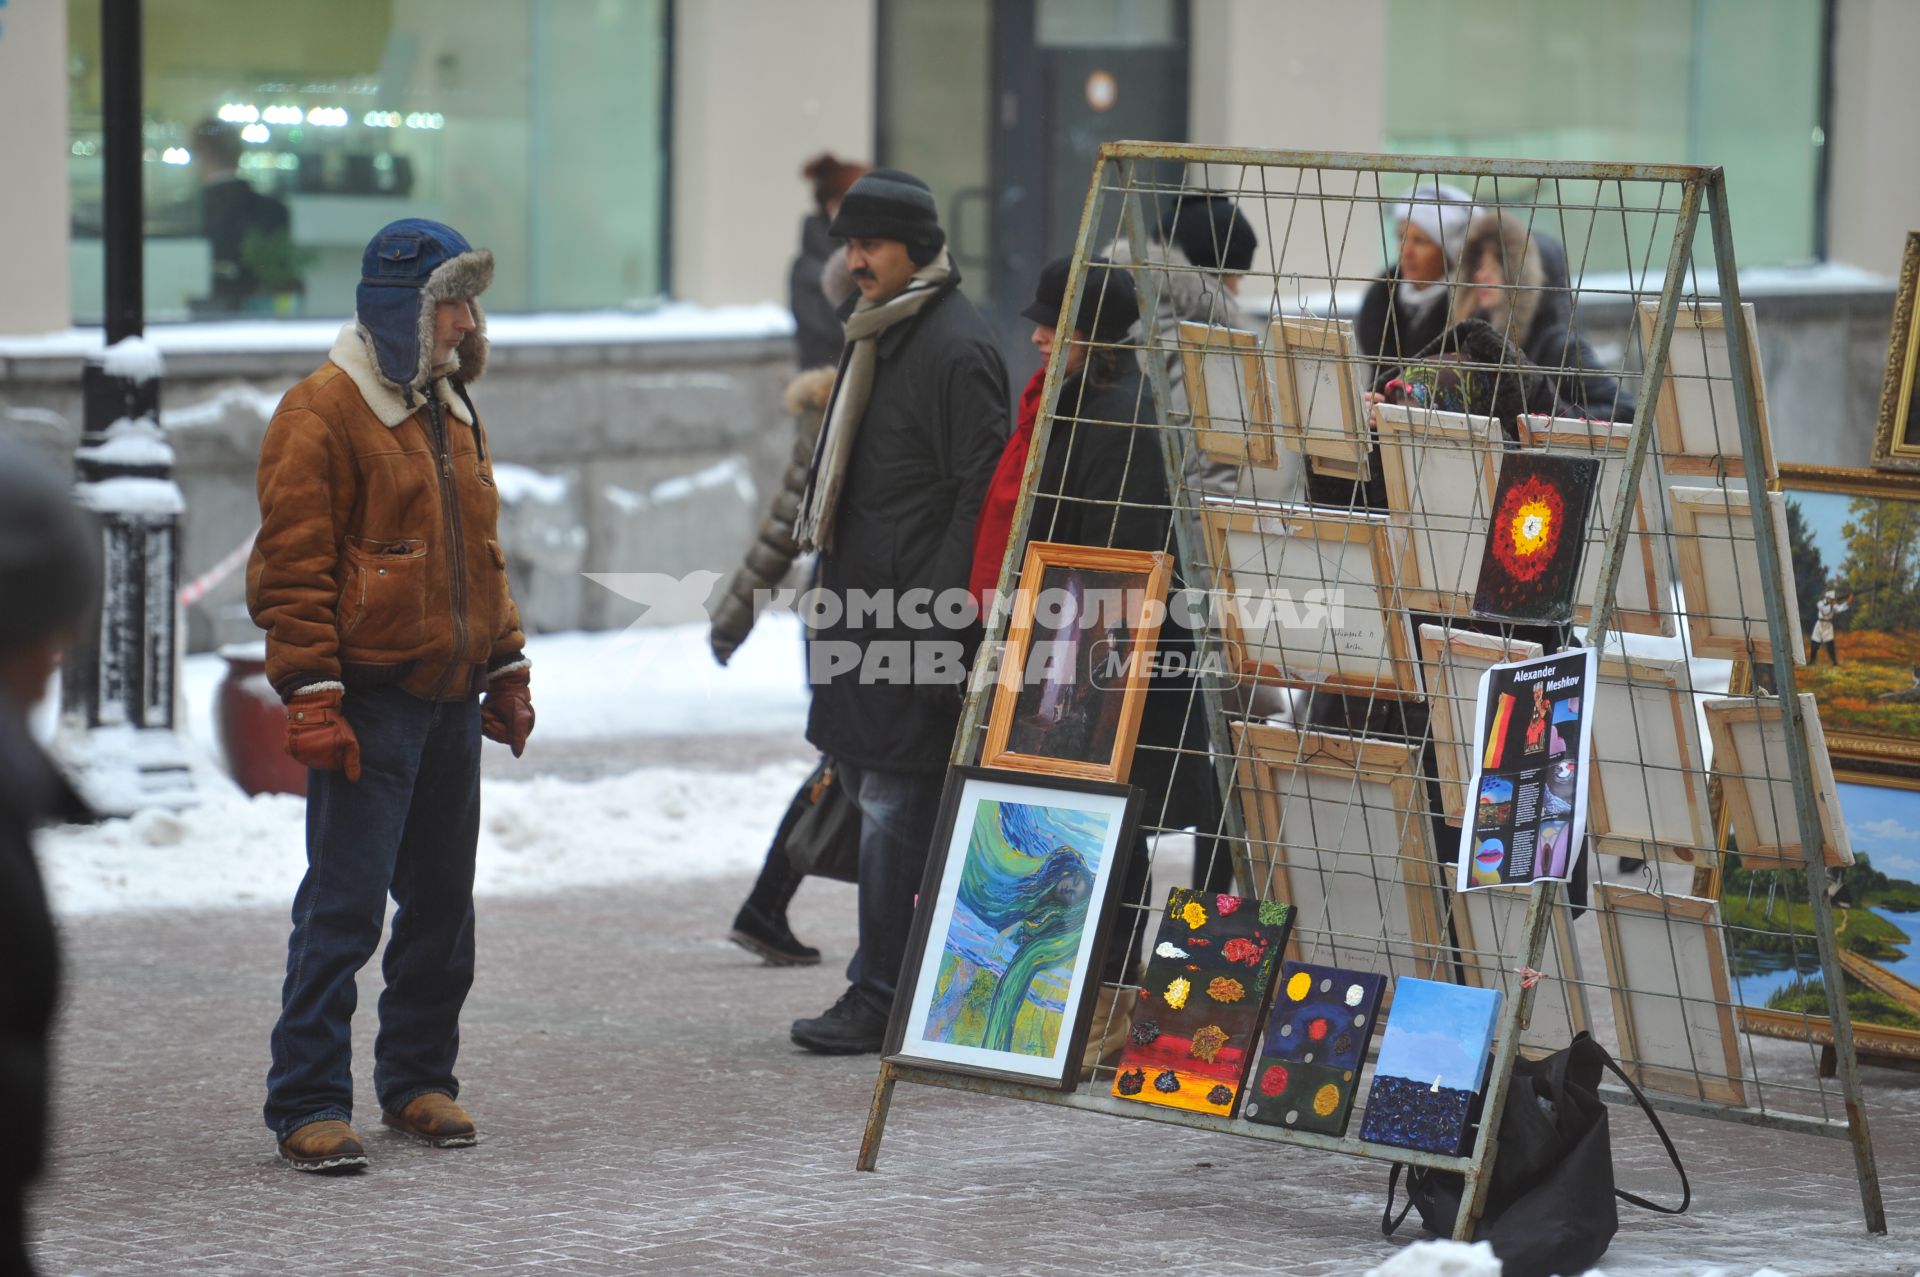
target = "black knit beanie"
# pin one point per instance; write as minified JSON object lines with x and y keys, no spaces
{"x":49,"y":551}
{"x":1209,"y":231}
{"x":889,"y":204}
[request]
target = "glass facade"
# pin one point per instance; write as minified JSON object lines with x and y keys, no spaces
{"x":280,"y":137}
{"x":1730,"y":82}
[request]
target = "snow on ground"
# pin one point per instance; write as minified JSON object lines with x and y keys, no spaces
{"x":538,"y":835}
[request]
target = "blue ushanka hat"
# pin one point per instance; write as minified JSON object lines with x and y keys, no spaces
{"x":409,"y":268}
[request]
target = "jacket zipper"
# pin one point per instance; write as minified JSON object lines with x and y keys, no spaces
{"x":456,"y":544}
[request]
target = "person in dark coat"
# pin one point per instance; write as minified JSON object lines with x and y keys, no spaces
{"x":1405,"y":310}
{"x":1516,"y":279}
{"x":49,"y":582}
{"x":233,"y":214}
{"x":816,"y":319}
{"x":915,"y":425}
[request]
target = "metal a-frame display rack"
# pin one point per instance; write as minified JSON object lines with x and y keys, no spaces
{"x":1698,"y":439}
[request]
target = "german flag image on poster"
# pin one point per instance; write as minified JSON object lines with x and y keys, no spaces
{"x":1531,"y":563}
{"x":1197,"y":1019}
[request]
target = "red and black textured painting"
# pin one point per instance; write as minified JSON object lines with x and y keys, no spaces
{"x":1531,"y":565}
{"x":1200,"y":1004}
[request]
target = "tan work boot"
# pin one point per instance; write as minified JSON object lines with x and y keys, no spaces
{"x":327,"y":1146}
{"x":435,"y":1120}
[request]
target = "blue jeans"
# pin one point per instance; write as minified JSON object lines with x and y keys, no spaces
{"x":897,"y":814}
{"x":409,"y":825}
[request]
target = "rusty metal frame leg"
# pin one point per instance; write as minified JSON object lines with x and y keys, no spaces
{"x":1799,"y":764}
{"x":876,"y":1118}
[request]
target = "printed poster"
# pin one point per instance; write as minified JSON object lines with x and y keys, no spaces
{"x":1532,"y":747}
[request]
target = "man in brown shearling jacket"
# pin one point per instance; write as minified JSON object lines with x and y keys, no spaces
{"x":379,"y":580}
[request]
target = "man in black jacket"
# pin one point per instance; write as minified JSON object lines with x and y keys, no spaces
{"x":49,"y":581}
{"x":916,"y":424}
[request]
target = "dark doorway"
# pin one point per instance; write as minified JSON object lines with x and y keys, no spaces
{"x":1002,"y":106}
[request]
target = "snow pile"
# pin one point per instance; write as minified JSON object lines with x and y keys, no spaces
{"x":134,"y":358}
{"x":130,"y":495}
{"x":541,"y":835}
{"x":1441,"y":1259}
{"x":130,"y":443}
{"x":523,"y":483}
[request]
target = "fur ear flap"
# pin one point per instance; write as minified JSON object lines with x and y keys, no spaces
{"x":473,"y":347}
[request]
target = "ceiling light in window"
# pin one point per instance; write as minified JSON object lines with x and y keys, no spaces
{"x":176,"y":155}
{"x":327,"y":117}
{"x":255,"y":133}
{"x":282,"y":115}
{"x":239,"y":112}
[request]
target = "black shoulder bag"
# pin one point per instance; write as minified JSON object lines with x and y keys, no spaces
{"x":821,"y":830}
{"x":1550,"y":1205}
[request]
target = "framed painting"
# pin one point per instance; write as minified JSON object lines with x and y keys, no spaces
{"x":1643,"y":596}
{"x":1320,"y":410}
{"x":1855,"y":540}
{"x":1491,"y":930}
{"x":1074,"y":674}
{"x":1451,"y":663}
{"x":1896,"y":441}
{"x":1196,"y":1019}
{"x":1750,"y":756}
{"x":1339,"y":826}
{"x":1309,"y":597}
{"x":1713,"y":538}
{"x":1649,"y":796}
{"x":1672,"y":998}
{"x":1315,"y":1043}
{"x":1003,"y":960}
{"x":1227,"y":394}
{"x":1776,"y":967}
{"x":1439,"y":471}
{"x":1699,"y":429}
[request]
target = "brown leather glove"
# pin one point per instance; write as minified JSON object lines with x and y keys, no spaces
{"x":506,"y":715}
{"x":319,"y":735}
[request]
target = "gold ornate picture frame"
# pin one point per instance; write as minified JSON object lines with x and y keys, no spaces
{"x":1896,"y":440}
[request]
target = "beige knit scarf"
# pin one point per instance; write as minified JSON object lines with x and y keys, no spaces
{"x":831,"y":452}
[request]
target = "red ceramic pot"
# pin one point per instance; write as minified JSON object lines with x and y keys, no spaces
{"x":252,"y":724}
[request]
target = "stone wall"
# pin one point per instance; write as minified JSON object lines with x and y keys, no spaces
{"x":650,"y":457}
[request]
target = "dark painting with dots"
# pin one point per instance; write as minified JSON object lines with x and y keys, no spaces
{"x":1316,"y":1041}
{"x":1433,"y":1062}
{"x":1196,"y":1018}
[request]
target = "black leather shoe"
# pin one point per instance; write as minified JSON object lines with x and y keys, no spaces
{"x":849,"y":1027}
{"x":771,"y":939}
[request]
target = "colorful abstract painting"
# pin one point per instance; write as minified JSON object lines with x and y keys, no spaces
{"x":1198,"y":1013}
{"x":1531,"y":563}
{"x":1315,"y":1043}
{"x":1008,"y":958}
{"x":1433,"y":1062}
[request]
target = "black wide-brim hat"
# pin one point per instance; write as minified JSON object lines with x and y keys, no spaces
{"x":1109,"y":304}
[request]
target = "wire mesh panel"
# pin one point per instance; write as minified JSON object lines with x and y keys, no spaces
{"x":1317,"y":435}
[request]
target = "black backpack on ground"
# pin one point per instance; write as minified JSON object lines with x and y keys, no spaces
{"x":1550,"y":1205}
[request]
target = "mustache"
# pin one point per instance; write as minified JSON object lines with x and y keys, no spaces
{"x":864,"y":273}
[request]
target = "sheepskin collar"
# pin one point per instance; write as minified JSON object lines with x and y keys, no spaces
{"x":352,"y":353}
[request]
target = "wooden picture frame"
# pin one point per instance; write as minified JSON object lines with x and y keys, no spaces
{"x":1648,"y":799}
{"x":1896,"y":437}
{"x":1489,"y":927}
{"x":1672,"y":994}
{"x":1749,"y":756}
{"x":1643,"y":597}
{"x":1218,"y":360}
{"x":1320,"y":405}
{"x":1097,"y":725}
{"x":1867,"y":709}
{"x":1076,"y":816}
{"x":1440,"y":469}
{"x":1698,"y":426}
{"x":1328,"y":577}
{"x":1451,"y":663}
{"x":1342,"y":822}
{"x":1713,"y":534}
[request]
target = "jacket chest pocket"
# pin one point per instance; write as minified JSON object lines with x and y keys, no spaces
{"x":383,"y":593}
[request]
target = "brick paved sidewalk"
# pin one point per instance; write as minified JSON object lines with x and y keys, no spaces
{"x":643,"y":1112}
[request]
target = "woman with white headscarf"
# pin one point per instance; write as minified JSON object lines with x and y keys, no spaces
{"x":1406,"y":310}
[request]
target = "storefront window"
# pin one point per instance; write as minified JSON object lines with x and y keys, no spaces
{"x":1728,"y":82}
{"x":279,"y":138}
